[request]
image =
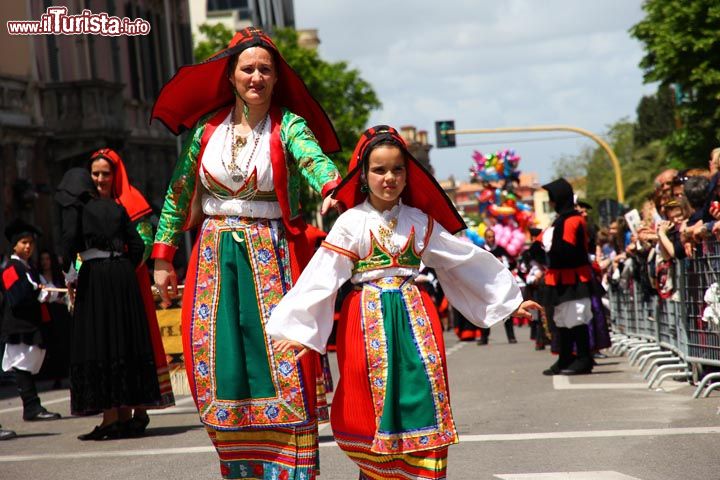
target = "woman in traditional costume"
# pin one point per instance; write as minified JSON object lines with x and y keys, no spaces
{"x":112,"y":364}
{"x":108,"y":173}
{"x":391,"y":412}
{"x":255,"y":133}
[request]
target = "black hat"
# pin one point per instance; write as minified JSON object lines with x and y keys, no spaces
{"x":534,"y":232}
{"x":561,"y":193}
{"x":18,"y":229}
{"x":76,"y":186}
{"x":583,"y":204}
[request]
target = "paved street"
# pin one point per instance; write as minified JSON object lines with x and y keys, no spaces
{"x":514,"y":424}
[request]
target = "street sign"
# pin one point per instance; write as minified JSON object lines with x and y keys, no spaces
{"x":444,"y":140}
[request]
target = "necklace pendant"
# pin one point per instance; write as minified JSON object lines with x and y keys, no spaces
{"x":236,"y":178}
{"x":240,"y":142}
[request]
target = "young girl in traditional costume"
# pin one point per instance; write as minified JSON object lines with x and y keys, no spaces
{"x":391,"y":412}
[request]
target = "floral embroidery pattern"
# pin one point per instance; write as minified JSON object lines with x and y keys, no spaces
{"x":443,"y":432}
{"x":379,"y":257}
{"x":288,"y":407}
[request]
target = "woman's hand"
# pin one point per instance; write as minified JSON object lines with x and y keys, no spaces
{"x":329,"y":203}
{"x":165,"y":277}
{"x":523,"y":311}
{"x":71,"y":297}
{"x":664,"y":226}
{"x":286,"y":345}
{"x":714,"y":210}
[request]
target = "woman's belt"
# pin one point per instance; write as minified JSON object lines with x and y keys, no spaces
{"x":95,"y":253}
{"x":213,"y":206}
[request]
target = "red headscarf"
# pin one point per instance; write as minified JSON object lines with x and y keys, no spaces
{"x":124,"y":193}
{"x":422,"y":190}
{"x":198,"y":89}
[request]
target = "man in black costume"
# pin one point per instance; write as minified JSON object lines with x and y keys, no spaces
{"x":569,"y":281}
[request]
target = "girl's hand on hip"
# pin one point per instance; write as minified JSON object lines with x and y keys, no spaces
{"x":287,"y":345}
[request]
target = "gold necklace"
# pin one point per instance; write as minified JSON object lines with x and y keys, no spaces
{"x":386,"y":233}
{"x":238,"y":172}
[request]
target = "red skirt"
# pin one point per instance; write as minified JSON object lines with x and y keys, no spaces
{"x":167,"y":398}
{"x":354,"y":416}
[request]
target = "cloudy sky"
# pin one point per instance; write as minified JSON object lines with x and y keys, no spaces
{"x":490,"y":63}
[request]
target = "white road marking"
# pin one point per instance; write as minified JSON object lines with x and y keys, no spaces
{"x":562,"y":382}
{"x":44,"y":402}
{"x":172,"y":411}
{"x":108,"y":454}
{"x":606,"y":475}
{"x":641,"y":432}
{"x":455,"y":348}
{"x":463,"y":439}
{"x":178,"y":402}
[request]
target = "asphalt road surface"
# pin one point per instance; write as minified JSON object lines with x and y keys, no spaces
{"x":514,"y":424}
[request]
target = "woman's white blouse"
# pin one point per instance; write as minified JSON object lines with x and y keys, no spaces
{"x":473,"y":280}
{"x":218,"y":155}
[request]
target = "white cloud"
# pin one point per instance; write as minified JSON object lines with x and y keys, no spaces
{"x":486,"y":63}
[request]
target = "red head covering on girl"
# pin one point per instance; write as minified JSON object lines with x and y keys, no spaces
{"x":198,"y":89}
{"x":125,"y":194}
{"x":421,"y":191}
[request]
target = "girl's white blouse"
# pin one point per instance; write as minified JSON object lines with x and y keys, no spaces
{"x":473,"y":280}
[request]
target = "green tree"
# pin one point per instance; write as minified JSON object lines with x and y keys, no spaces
{"x":682,"y":46}
{"x":639,"y":167}
{"x":345,"y":96}
{"x":655,"y":116}
{"x":216,"y":36}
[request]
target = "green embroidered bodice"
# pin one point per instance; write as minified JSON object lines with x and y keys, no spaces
{"x":380,"y":257}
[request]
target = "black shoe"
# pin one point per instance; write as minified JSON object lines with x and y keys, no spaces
{"x":7,"y":434}
{"x":539,"y":347}
{"x":512,"y":340}
{"x":108,"y":432}
{"x":580,"y":366}
{"x":135,"y":427}
{"x":554,"y":369}
{"x":42,"y":415}
{"x":482,"y":341}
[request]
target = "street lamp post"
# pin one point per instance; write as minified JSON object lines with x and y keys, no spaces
{"x":555,"y":128}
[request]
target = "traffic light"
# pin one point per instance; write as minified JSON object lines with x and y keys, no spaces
{"x":443,"y":139}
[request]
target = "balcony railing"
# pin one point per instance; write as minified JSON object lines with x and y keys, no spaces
{"x":83,"y":106}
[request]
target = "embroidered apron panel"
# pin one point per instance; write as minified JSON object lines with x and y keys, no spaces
{"x":240,"y":380}
{"x":407,"y":381}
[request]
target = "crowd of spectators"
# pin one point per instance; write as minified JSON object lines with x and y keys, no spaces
{"x":683,"y":213}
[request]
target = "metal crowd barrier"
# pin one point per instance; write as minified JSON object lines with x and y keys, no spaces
{"x":669,"y":338}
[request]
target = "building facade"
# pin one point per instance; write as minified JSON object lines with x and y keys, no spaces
{"x":238,"y":14}
{"x":64,"y":96}
{"x":417,"y":142}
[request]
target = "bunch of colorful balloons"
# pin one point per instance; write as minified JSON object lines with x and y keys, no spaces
{"x":508,"y":217}
{"x":510,"y":238}
{"x":496,"y":166}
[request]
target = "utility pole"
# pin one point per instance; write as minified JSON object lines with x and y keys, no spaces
{"x":556,"y":128}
